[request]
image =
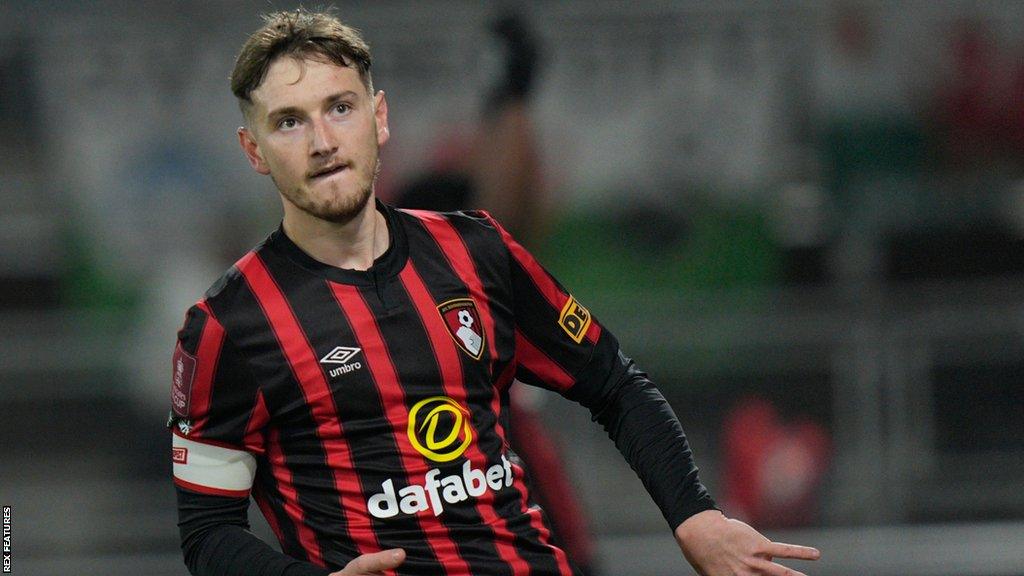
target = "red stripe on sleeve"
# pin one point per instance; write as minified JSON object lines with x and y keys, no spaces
{"x":306,"y":369}
{"x":536,"y":361}
{"x":450,"y":365}
{"x":544,"y":282}
{"x":211,"y":491}
{"x":392,"y":397}
{"x":208,"y":358}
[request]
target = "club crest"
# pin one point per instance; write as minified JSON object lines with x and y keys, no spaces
{"x":463,"y":321}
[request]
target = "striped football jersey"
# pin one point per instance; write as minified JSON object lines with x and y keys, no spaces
{"x":365,"y":410}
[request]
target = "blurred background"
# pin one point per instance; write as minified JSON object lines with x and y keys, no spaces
{"x":805,"y":220}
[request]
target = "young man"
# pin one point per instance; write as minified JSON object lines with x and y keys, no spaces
{"x":351,"y":373}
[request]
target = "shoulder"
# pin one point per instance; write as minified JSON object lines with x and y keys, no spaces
{"x":222,"y":297}
{"x":202,"y":315}
{"x":473,"y":223}
{"x":471,"y":232}
{"x":224,"y":290}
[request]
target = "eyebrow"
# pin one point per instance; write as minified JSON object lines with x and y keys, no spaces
{"x":293,"y":110}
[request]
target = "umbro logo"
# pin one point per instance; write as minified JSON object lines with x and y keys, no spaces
{"x":342,"y":355}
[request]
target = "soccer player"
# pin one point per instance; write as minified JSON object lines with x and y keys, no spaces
{"x":351,"y":372}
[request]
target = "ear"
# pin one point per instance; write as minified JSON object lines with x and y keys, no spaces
{"x":380,"y":113}
{"x":247,"y":140}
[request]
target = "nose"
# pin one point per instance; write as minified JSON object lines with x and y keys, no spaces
{"x":323,"y":142}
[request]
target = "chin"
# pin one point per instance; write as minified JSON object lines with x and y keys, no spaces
{"x":343,"y":211}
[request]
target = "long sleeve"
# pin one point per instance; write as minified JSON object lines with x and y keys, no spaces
{"x":561,"y":346}
{"x":648,"y":434}
{"x":215,"y":540}
{"x":217,"y":420}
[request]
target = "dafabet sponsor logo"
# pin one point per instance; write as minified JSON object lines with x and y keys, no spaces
{"x":439,"y":428}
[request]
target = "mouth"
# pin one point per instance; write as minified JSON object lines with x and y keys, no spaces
{"x":327,"y":171}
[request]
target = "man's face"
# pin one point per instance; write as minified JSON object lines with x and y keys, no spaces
{"x":316,"y":131}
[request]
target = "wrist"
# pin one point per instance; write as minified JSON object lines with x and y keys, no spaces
{"x":697,"y":524}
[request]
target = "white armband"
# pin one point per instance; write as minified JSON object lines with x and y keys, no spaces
{"x":212,"y":469}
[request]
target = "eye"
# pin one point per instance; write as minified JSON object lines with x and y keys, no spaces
{"x":287,"y":123}
{"x":342,"y":108}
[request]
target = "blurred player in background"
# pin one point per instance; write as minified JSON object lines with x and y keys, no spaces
{"x":500,"y":167}
{"x":351,"y":373}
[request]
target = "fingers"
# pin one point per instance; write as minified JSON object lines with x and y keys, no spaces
{"x":772,"y":569}
{"x":374,"y":563}
{"x":780,"y":550}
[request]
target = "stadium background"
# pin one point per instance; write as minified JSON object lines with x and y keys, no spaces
{"x":817,"y":206}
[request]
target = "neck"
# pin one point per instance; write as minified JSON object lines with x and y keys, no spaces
{"x":353,"y":245}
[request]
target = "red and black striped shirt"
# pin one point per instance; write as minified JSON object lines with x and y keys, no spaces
{"x":366,"y":410}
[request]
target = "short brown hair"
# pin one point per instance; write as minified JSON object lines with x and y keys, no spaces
{"x":297,"y":33}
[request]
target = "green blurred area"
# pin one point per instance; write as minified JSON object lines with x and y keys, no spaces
{"x":90,"y":285}
{"x":605,"y":258}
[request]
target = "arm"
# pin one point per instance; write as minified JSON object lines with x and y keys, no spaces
{"x":561,"y":346}
{"x":647,"y":432}
{"x":216,"y":541}
{"x":215,"y":437}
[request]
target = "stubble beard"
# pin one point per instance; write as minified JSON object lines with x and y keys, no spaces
{"x":337,"y":208}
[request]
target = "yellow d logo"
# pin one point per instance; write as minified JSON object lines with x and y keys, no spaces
{"x":436,"y":433}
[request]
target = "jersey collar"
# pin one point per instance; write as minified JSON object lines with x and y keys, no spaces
{"x":387,"y":265}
